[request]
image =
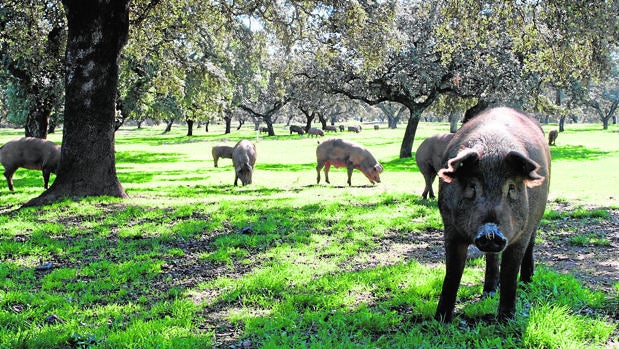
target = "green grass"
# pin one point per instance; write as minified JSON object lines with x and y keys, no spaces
{"x":191,"y":261}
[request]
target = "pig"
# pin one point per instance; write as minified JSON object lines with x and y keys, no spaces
{"x":376,"y":127}
{"x":297,"y":129}
{"x":330,"y":128}
{"x":243,"y":159}
{"x":341,"y":153}
{"x":264,"y":129}
{"x":428,"y":158}
{"x":221,"y":151}
{"x":492,"y":193}
{"x":552,"y":137}
{"x":315,"y":132}
{"x":355,"y":129}
{"x":341,"y":128}
{"x":31,"y":153}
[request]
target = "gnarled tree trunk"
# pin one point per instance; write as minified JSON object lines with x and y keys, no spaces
{"x":97,"y":32}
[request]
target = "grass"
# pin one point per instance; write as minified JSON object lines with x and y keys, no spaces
{"x":191,"y":261}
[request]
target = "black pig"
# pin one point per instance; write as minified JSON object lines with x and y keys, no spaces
{"x":492,"y":193}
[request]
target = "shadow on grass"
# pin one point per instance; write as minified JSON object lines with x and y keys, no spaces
{"x":576,"y":152}
{"x":287,"y":167}
{"x":164,"y":255}
{"x":401,"y":165}
{"x":146,"y":157}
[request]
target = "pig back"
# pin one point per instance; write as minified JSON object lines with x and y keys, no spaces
{"x":244,"y":152}
{"x":31,"y":153}
{"x":342,"y":151}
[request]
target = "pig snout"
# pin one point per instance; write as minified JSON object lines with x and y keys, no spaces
{"x":490,"y":239}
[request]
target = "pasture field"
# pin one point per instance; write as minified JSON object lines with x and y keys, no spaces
{"x":190,"y":261}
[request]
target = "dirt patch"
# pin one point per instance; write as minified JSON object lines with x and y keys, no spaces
{"x":593,"y":261}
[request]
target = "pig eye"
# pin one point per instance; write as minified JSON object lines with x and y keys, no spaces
{"x":512,"y":191}
{"x":470,"y":191}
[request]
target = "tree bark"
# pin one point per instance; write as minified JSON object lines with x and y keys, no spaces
{"x":37,"y":122}
{"x":406,"y":150}
{"x":562,"y":123}
{"x":189,"y":127}
{"x":97,"y":32}
{"x":168,"y":126}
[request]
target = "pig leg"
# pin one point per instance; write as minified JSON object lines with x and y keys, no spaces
{"x":327,"y":167}
{"x":8,"y":173}
{"x":510,"y":265}
{"x":455,"y":257}
{"x":215,"y":160}
{"x":349,"y":168}
{"x":527,"y":267}
{"x":318,"y":168}
{"x":491,"y":279}
{"x":429,"y":178}
{"x":46,"y":173}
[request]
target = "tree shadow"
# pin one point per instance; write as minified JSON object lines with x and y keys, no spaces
{"x":401,"y":165}
{"x":146,"y":157}
{"x":576,"y":152}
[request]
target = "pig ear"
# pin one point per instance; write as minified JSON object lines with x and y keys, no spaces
{"x":464,"y":159}
{"x":526,"y":167}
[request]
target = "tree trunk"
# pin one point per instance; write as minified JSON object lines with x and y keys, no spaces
{"x":97,"y":31}
{"x":37,"y":122}
{"x":206,"y":126}
{"x":406,"y":150}
{"x":453,"y":122}
{"x":168,"y":126}
{"x":562,"y":123}
{"x":323,"y":120}
{"x":189,"y":127}
{"x":267,"y":120}
{"x":52,"y":126}
{"x":228,"y":121}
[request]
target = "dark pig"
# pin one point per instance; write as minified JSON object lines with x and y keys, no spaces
{"x":330,"y":128}
{"x":297,"y":129}
{"x":429,"y":158}
{"x":492,"y":193}
{"x":552,"y":137}
{"x":221,"y":151}
{"x":315,"y":132}
{"x":355,"y":129}
{"x":243,"y":159}
{"x":31,"y":153}
{"x":341,"y":153}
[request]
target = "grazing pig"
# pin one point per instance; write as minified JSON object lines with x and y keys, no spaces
{"x":31,"y":153}
{"x":297,"y":129}
{"x":492,"y":193}
{"x":264,"y":129}
{"x":341,"y":128}
{"x":355,"y":129}
{"x":552,"y":137}
{"x":341,"y":153}
{"x":429,"y":158}
{"x":221,"y":151}
{"x":330,"y":128}
{"x":315,"y":132}
{"x":376,"y":127}
{"x":244,"y":159}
